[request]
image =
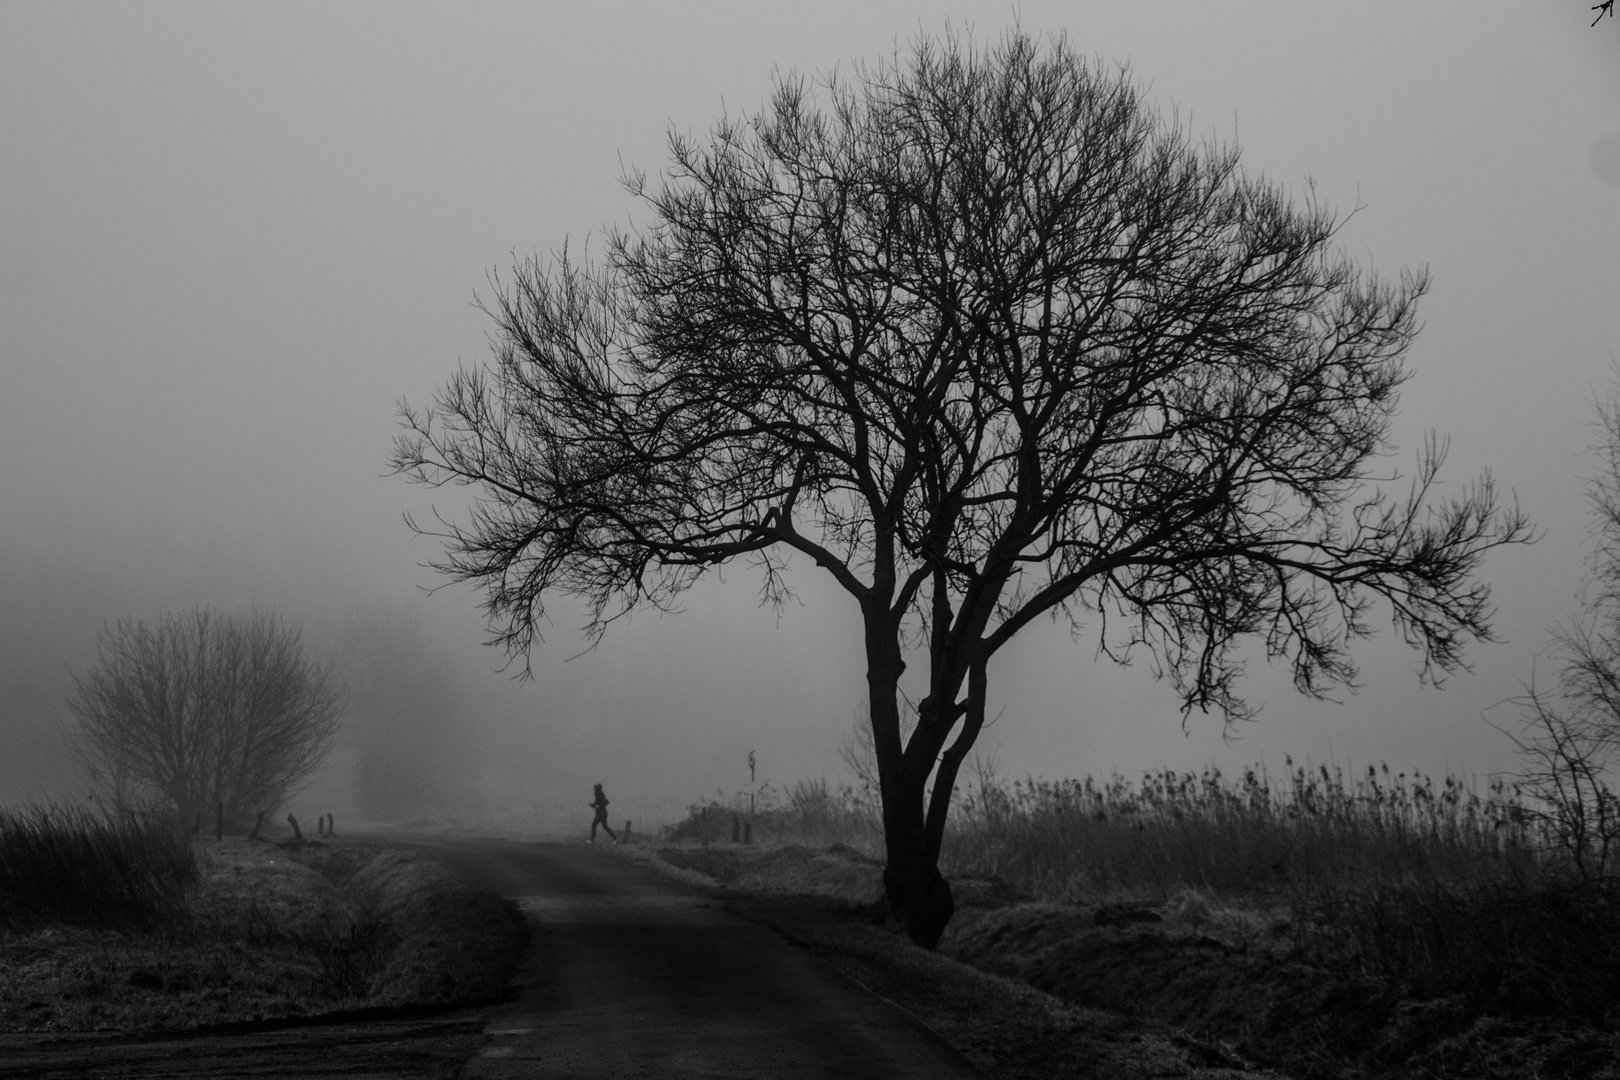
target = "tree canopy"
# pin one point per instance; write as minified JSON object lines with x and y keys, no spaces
{"x":985,"y":337}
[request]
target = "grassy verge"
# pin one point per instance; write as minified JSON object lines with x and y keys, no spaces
{"x":266,"y":932}
{"x":1386,"y":928}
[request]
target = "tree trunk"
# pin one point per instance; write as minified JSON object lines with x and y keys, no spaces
{"x":918,"y":896}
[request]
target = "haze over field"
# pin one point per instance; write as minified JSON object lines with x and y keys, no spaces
{"x":232,"y":239}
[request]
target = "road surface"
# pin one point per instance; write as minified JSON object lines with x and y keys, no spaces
{"x":630,"y":974}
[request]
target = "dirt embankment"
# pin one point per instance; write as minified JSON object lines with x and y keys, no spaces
{"x":274,"y":932}
{"x":1267,"y":1001}
{"x":1190,"y":984}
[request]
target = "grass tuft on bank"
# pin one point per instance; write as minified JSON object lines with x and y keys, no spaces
{"x":264,"y":933}
{"x":73,"y":865}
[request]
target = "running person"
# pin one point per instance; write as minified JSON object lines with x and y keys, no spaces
{"x":600,"y":803}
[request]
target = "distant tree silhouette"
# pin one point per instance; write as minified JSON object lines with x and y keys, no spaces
{"x":406,"y":725}
{"x":987,"y":340}
{"x":201,"y":709}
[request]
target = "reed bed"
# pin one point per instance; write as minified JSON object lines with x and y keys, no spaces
{"x":1257,"y":836}
{"x":119,"y":869}
{"x":1254,"y":837}
{"x":1432,"y":887}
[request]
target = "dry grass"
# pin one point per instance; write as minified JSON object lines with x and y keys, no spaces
{"x":1254,"y":837}
{"x":1429,"y":888}
{"x":269,"y":932}
{"x":1386,"y":926}
{"x":62,"y":864}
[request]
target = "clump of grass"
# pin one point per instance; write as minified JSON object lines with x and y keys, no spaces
{"x":116,"y":869}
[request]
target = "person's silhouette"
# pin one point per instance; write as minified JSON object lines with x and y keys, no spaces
{"x":601,"y":805}
{"x":1606,"y":6}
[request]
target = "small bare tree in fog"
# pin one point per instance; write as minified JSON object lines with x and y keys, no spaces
{"x":202,"y":708}
{"x":988,"y":341}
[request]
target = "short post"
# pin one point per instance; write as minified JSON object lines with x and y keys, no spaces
{"x":626,"y":839}
{"x":298,"y":834}
{"x":254,"y":835}
{"x":219,"y":820}
{"x":331,"y":825}
{"x":736,"y":828}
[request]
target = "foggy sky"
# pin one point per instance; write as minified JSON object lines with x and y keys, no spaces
{"x":232,"y":238}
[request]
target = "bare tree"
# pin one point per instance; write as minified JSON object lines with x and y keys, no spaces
{"x":202,"y":709}
{"x":988,"y":340}
{"x":1570,"y":732}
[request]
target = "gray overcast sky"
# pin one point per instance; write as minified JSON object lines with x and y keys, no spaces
{"x":233,"y":236}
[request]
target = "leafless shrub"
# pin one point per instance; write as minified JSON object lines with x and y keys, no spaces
{"x":202,"y":709}
{"x":1566,"y":753}
{"x":1569,"y":734}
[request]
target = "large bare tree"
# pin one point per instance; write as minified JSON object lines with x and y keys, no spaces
{"x":987,"y":339}
{"x":201,"y":709}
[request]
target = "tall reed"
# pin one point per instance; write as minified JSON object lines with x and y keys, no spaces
{"x":121,"y":869}
{"x":1433,"y":887}
{"x":1078,"y":839}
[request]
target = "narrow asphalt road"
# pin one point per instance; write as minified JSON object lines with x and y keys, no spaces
{"x":630,"y":974}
